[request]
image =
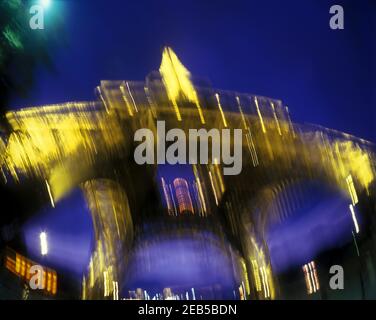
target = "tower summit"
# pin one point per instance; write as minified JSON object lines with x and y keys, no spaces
{"x":177,"y":80}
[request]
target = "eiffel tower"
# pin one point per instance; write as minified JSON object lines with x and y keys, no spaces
{"x":89,"y":145}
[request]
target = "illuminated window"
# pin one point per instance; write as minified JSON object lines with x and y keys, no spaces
{"x":20,"y":266}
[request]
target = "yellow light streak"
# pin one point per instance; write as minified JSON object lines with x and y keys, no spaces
{"x":352,"y":191}
{"x":220,"y":110}
{"x":260,"y":116}
{"x":276,"y":119}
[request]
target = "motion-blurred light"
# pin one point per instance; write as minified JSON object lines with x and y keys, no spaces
{"x":43,"y":243}
{"x":45,"y":3}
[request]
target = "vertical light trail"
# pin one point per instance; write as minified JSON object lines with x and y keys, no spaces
{"x":289,"y":119}
{"x":307,"y":279}
{"x":126,"y":101}
{"x":83,"y":288}
{"x":91,"y":276}
{"x":167,"y":197}
{"x":130,"y":93}
{"x":43,"y":243}
{"x":105,"y":283}
{"x":315,"y":276}
{"x":173,"y":200}
{"x":251,"y":146}
{"x":220,"y":110}
{"x":352,"y":191}
{"x":260,"y":116}
{"x":199,"y":109}
{"x":265,"y":282}
{"x":212,"y":185}
{"x":311,"y":277}
{"x":201,"y":194}
{"x":103,"y":100}
{"x":256,"y":275}
{"x":276,"y":119}
{"x":355,"y":220}
{"x":50,"y":194}
{"x":115,"y":290}
{"x":193,"y":294}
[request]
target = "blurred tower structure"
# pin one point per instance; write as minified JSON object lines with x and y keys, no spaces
{"x":183,"y":196}
{"x":88,"y":144}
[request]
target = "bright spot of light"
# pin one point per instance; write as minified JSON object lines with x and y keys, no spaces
{"x":45,"y":3}
{"x":43,"y":243}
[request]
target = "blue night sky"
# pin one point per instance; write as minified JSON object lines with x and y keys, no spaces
{"x":325,"y":213}
{"x":280,"y":49}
